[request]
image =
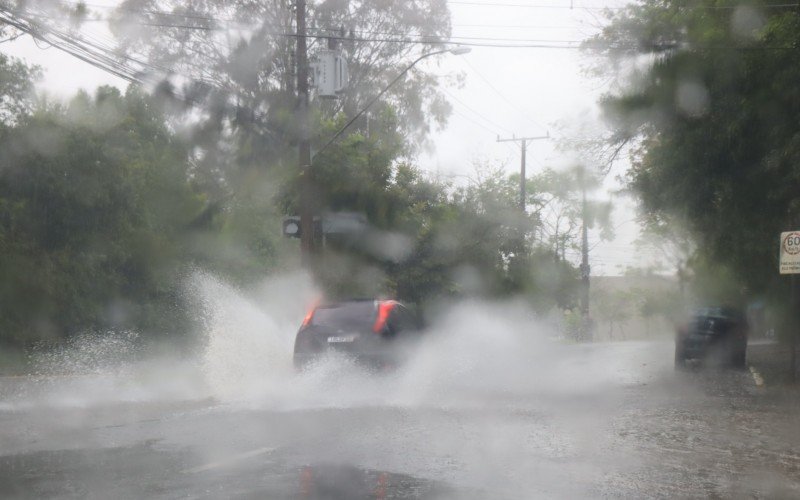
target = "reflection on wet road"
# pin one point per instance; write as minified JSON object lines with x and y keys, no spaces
{"x":642,"y":431}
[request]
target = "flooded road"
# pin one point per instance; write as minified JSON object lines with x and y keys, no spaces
{"x":629,"y":426}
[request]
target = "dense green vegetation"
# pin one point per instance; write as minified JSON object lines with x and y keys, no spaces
{"x":106,"y":209}
{"x":708,"y":103}
{"x":94,"y":196}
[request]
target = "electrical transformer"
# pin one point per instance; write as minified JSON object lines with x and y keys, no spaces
{"x":329,"y":73}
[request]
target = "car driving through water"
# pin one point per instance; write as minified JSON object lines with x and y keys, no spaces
{"x":715,"y":334}
{"x":376,"y":333}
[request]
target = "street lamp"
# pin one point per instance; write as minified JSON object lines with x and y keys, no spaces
{"x":306,"y":217}
{"x":454,"y":50}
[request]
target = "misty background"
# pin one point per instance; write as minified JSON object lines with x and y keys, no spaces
{"x":177,"y":156}
{"x":151,"y":289}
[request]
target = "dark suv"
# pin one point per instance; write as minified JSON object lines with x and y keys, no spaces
{"x":375,"y":332}
{"x":717,"y":334}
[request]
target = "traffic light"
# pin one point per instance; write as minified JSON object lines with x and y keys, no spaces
{"x":292,"y":229}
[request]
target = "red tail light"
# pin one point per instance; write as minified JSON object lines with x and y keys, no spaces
{"x":311,"y":310}
{"x":309,"y":315}
{"x":384,"y":309}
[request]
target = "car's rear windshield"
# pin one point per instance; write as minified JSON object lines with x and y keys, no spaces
{"x":720,"y":313}
{"x":349,"y":315}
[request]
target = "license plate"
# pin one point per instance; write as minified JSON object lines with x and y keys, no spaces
{"x":342,"y":339}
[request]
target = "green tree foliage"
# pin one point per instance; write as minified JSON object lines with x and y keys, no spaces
{"x":235,"y":61}
{"x":556,"y":199}
{"x":232,"y":67}
{"x":16,"y":88}
{"x":93,"y":197}
{"x":710,"y":95}
{"x":445,"y":242}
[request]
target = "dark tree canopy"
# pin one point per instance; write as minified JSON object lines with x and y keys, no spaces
{"x":92,"y":198}
{"x":711,"y":98}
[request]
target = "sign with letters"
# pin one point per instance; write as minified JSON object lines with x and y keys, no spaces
{"x":790,"y":252}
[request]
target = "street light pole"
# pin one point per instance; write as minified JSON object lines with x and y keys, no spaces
{"x":305,"y":157}
{"x":304,"y":146}
{"x":454,"y":51}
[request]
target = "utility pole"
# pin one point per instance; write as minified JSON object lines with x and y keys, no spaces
{"x":795,"y":326}
{"x":304,"y":148}
{"x":585,"y":268}
{"x":523,"y":142}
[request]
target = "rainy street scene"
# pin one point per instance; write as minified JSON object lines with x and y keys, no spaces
{"x":379,"y":249}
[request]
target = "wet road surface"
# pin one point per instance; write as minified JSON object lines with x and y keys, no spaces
{"x":627,"y":426}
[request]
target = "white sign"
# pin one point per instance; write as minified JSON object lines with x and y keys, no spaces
{"x":790,"y":252}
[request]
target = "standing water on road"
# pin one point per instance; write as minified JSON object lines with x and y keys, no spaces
{"x":491,"y":404}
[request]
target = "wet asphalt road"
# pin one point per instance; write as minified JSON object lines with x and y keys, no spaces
{"x":645,"y":431}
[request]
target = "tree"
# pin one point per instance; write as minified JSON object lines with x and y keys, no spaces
{"x":236,"y":60}
{"x":711,"y":99}
{"x":614,"y":307}
{"x":94,"y":198}
{"x":556,"y":201}
{"x":470,"y":241}
{"x":233,"y":65}
{"x":715,"y":111}
{"x":17,"y":80}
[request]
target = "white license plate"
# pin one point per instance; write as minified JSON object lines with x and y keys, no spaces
{"x":342,"y":340}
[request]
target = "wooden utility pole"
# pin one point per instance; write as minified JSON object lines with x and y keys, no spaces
{"x":585,"y":268}
{"x":304,"y":146}
{"x":790,"y":241}
{"x":523,"y":142}
{"x":795,"y":327}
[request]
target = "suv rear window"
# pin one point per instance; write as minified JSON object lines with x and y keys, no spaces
{"x":349,"y":315}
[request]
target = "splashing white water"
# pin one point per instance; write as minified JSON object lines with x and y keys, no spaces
{"x":472,"y":352}
{"x":474,"y":349}
{"x":248,"y":340}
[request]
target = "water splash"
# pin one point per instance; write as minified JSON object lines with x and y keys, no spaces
{"x":248,"y":341}
{"x":472,"y":351}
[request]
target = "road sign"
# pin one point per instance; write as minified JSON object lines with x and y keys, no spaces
{"x":790,"y":252}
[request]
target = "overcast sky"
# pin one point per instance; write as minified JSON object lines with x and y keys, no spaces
{"x":507,"y":92}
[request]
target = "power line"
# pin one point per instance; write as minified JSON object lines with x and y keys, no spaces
{"x":530,"y":6}
{"x":74,"y":49}
{"x":518,"y":26}
{"x":515,"y":106}
{"x":104,"y":55}
{"x":89,"y":52}
{"x":603,"y":7}
{"x":553,"y":44}
{"x":465,"y":105}
{"x":144,"y":11}
{"x":486,"y":42}
{"x":367,"y":36}
{"x":473,"y":121}
{"x":243,"y":24}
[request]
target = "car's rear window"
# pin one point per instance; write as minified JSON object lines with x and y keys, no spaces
{"x":349,"y":315}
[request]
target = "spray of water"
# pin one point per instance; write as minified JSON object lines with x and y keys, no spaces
{"x":473,"y":352}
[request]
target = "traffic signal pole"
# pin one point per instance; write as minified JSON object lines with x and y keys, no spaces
{"x":304,"y":144}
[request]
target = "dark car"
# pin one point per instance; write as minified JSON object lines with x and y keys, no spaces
{"x":716,"y":334}
{"x":374,"y":332}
